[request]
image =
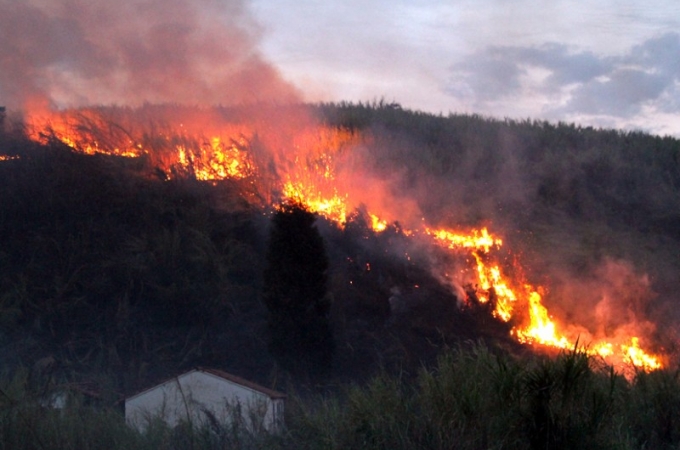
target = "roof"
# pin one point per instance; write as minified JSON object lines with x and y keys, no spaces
{"x":220,"y":374}
{"x":243,"y":382}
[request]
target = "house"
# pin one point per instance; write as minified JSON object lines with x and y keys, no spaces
{"x":203,"y":396}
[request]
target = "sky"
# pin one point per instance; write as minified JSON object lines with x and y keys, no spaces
{"x":603,"y":63}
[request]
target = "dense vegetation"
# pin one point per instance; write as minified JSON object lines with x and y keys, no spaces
{"x":296,"y":294}
{"x":472,"y":399}
{"x":112,"y":277}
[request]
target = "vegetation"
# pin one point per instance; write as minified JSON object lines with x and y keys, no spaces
{"x":295,"y":292}
{"x":111,"y":276}
{"x":472,"y":399}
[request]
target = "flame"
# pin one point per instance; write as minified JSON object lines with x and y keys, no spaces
{"x":307,"y":159}
{"x":541,"y":328}
{"x":475,"y":239}
{"x":538,"y":326}
{"x":312,"y":179}
{"x":377,"y":224}
{"x":331,"y":207}
{"x":638,"y":357}
{"x":83,"y":131}
{"x":215,"y":160}
{"x":490,"y":280}
{"x":213,"y":157}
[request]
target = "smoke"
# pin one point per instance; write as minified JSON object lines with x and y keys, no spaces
{"x":73,"y":53}
{"x":613,"y":302}
{"x":566,"y":219}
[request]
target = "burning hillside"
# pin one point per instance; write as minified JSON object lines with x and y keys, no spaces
{"x":281,"y":154}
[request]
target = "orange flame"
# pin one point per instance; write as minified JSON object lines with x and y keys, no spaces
{"x":332,"y":207}
{"x":77,"y":130}
{"x":538,"y":327}
{"x":214,"y":160}
{"x":475,"y":239}
{"x":541,"y":328}
{"x":377,"y":224}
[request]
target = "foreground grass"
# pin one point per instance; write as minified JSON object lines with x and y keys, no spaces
{"x":473,"y":399}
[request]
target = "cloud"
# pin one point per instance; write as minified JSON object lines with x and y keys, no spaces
{"x":487,"y":76}
{"x":76,"y":52}
{"x":565,"y":82}
{"x":621,"y":93}
{"x":661,"y":53}
{"x":566,"y":67}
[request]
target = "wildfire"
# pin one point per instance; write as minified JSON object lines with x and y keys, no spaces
{"x":538,"y":327}
{"x":215,"y":160}
{"x":215,"y":157}
{"x":541,"y":328}
{"x":475,"y":239}
{"x":377,"y":224}
{"x":84,"y":131}
{"x":331,"y":207}
{"x":306,"y":173}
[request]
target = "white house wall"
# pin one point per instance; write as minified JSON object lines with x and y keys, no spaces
{"x":188,"y":396}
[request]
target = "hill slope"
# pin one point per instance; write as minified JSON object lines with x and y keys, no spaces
{"x":109,"y":270}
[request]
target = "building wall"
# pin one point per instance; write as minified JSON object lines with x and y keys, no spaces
{"x":188,"y":396}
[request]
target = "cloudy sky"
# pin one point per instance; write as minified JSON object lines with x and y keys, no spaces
{"x":612,"y":63}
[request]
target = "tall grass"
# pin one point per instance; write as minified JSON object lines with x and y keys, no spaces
{"x":473,"y":399}
{"x":27,"y":421}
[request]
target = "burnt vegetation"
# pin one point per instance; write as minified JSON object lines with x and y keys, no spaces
{"x":109,"y":274}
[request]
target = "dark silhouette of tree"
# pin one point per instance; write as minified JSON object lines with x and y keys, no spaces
{"x":295,"y":292}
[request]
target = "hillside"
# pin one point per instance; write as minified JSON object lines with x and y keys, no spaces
{"x":121,"y":270}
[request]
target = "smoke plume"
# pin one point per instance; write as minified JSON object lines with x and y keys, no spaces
{"x":72,"y":53}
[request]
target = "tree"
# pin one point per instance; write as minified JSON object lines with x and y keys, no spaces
{"x":295,"y":292}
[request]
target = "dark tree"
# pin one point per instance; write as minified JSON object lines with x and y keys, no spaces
{"x":295,"y":292}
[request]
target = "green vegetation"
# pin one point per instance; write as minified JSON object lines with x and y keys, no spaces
{"x":471,"y":399}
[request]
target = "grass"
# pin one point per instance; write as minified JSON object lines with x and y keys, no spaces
{"x":473,"y":399}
